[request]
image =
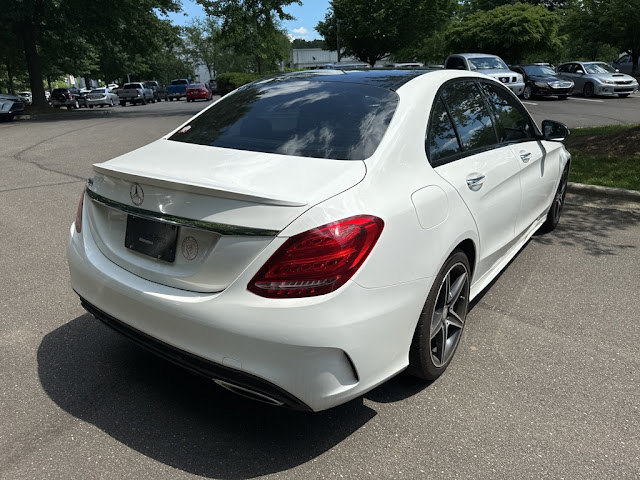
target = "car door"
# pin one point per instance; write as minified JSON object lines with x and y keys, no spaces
{"x":538,"y":171}
{"x":578,"y":78}
{"x":462,"y":146}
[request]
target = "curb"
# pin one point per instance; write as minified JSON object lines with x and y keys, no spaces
{"x":609,"y":192}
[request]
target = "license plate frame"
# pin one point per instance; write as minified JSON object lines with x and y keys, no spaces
{"x":151,"y":238}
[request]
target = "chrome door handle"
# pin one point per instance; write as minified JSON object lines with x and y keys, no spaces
{"x":475,"y":182}
{"x":525,"y":157}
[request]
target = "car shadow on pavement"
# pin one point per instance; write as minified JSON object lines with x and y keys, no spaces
{"x":592,"y":228}
{"x":177,"y":418}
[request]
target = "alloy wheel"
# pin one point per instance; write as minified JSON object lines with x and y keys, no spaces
{"x":449,"y":314}
{"x":558,"y":199}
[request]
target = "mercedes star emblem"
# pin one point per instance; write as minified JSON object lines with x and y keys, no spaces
{"x":137,"y":194}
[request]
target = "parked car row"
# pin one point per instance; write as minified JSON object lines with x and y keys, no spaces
{"x":542,"y":79}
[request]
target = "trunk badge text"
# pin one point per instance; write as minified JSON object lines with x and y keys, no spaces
{"x":137,"y":194}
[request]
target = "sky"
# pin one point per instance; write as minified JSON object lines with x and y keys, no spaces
{"x":307,"y":17}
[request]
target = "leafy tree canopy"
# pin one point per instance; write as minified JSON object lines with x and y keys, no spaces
{"x":252,"y":28}
{"x":616,"y":21}
{"x":372,"y":29}
{"x":84,"y":38}
{"x":300,"y":43}
{"x":510,"y":31}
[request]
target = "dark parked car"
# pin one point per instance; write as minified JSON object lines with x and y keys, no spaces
{"x":541,"y":80}
{"x":159,"y":90}
{"x":66,"y":97}
{"x":10,"y":106}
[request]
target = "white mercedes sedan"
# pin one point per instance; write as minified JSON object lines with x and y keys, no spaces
{"x":311,"y":235}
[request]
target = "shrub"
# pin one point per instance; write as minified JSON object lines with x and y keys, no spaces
{"x":228,"y":82}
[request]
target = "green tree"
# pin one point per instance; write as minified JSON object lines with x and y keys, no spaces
{"x":475,"y":5}
{"x":617,"y":21}
{"x":75,"y":36}
{"x":300,"y":43}
{"x":371,"y":30}
{"x":511,"y":31}
{"x":252,"y":28}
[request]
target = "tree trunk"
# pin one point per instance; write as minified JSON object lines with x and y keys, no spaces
{"x":9,"y":77}
{"x":34,"y":65}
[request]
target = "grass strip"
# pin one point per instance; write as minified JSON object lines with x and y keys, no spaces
{"x":607,"y":156}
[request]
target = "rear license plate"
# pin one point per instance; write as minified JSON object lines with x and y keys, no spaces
{"x":155,"y":239}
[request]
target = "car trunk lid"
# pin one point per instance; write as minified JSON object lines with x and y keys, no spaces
{"x":211,"y":210}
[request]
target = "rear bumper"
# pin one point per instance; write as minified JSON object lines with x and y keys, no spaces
{"x":201,"y":366}
{"x":311,"y":353}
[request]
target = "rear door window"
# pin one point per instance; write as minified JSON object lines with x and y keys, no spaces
{"x":470,"y":115}
{"x":442,"y":141}
{"x":512,"y":122}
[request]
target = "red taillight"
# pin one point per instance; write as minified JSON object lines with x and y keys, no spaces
{"x":318,"y":261}
{"x":69,"y":95}
{"x":79,"y":214}
{"x":138,"y":91}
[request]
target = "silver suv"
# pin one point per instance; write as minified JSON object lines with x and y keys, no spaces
{"x":488,"y":64}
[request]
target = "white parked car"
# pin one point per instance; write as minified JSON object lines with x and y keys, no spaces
{"x":488,"y":64}
{"x":311,"y":235}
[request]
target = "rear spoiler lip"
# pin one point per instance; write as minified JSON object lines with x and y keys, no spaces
{"x":219,"y":228}
{"x":194,"y":187}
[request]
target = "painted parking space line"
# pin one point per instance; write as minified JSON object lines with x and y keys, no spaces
{"x":529,"y":103}
{"x":587,"y":100}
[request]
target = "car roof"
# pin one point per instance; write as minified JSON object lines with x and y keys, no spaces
{"x":474,"y":55}
{"x":384,"y":78}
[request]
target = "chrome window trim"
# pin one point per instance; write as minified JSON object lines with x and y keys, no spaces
{"x":219,"y":228}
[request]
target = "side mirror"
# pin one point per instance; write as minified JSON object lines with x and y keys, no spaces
{"x":556,"y":131}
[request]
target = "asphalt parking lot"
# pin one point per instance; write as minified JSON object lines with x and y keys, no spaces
{"x":578,"y":111}
{"x":545,"y":383}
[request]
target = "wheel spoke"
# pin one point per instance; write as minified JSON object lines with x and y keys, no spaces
{"x":455,"y":320}
{"x":438,"y":345}
{"x":436,"y":322}
{"x":456,"y":289}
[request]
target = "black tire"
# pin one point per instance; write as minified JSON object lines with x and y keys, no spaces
{"x":623,"y":95}
{"x":526,"y":93}
{"x":143,"y":101}
{"x":563,"y":97}
{"x":123,"y":103}
{"x":555,"y":210}
{"x":442,"y":319}
{"x":588,"y":90}
{"x":91,"y":106}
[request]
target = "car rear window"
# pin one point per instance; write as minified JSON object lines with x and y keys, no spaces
{"x":319,"y":119}
{"x":131,"y":85}
{"x":179,"y":82}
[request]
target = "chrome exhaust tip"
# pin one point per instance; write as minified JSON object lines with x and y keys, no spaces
{"x":248,"y":393}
